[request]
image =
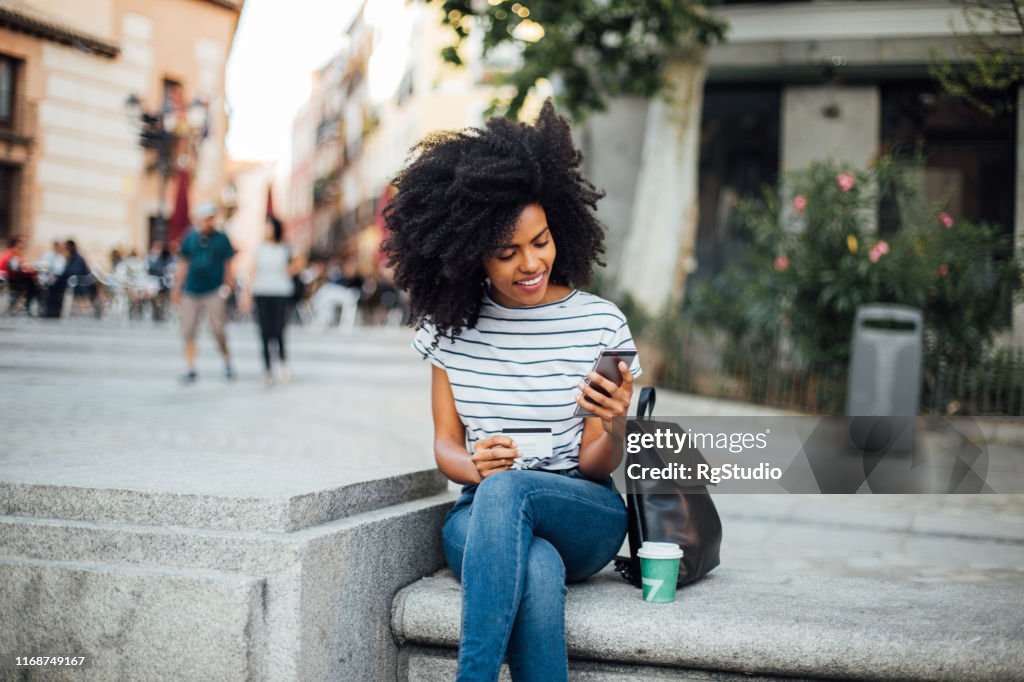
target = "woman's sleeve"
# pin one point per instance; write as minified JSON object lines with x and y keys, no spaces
{"x":422,"y":343}
{"x":623,"y":338}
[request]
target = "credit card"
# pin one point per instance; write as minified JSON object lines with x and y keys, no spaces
{"x":533,"y":444}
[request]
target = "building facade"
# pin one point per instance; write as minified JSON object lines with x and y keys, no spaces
{"x":255,"y":191}
{"x":391,"y":88}
{"x":71,"y":161}
{"x":799,"y":82}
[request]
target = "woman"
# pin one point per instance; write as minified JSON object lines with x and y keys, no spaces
{"x":271,"y":287}
{"x":160,"y":266}
{"x":491,"y":230}
{"x":84,"y":285}
{"x":53,"y":263}
{"x":21,"y":277}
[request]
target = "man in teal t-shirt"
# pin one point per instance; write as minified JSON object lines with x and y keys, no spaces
{"x":202,"y":285}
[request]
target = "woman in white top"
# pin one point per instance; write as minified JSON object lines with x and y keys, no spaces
{"x":271,"y":288}
{"x":492,"y":231}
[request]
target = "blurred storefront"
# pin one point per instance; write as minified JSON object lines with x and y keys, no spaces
{"x":799,"y":82}
{"x":847,"y":81}
{"x":78,"y":157}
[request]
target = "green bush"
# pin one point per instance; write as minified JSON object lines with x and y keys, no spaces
{"x":812,"y":261}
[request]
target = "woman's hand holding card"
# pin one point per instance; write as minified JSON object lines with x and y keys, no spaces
{"x":494,"y":454}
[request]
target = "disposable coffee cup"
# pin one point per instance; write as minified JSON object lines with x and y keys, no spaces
{"x":659,"y":570}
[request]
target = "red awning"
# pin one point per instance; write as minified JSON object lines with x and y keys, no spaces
{"x":180,"y":219}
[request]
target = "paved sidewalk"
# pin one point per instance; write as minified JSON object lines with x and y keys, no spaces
{"x":101,"y":406}
{"x":97,"y":405}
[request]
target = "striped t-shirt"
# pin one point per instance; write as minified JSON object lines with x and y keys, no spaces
{"x":518,"y":368}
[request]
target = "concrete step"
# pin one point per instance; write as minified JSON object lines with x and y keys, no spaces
{"x":281,"y":512}
{"x":132,"y":623}
{"x":247,"y":551}
{"x":169,"y":603}
{"x":749,"y":623}
{"x":427,"y":664}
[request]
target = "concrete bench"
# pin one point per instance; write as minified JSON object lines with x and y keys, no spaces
{"x":749,"y":625}
{"x":152,"y":585}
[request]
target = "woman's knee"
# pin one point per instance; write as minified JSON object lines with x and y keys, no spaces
{"x":545,"y":571}
{"x":505,"y":487}
{"x":497,"y":483}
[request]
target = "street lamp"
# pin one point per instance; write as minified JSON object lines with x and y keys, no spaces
{"x":229,"y":199}
{"x":160,"y":131}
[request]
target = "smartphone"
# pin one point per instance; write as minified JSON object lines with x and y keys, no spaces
{"x":607,"y":365}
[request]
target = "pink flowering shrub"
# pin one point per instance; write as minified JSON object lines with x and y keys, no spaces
{"x":846,"y":181}
{"x":806,"y":280}
{"x":877,"y":251}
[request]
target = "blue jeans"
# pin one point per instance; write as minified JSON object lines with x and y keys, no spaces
{"x":514,"y":541}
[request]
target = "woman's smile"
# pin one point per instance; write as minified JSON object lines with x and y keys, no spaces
{"x":534,"y":283}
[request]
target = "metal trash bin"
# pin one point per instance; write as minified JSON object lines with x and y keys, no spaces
{"x":885,"y":368}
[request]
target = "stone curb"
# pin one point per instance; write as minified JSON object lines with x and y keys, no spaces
{"x":749,"y":622}
{"x":272,"y":514}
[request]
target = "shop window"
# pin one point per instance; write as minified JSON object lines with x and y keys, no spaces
{"x":8,"y":70}
{"x":739,"y":159}
{"x":174,"y":96}
{"x":969,"y":166}
{"x":9,"y":184}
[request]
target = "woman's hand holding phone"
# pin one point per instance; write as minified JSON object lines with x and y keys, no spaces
{"x":494,"y":454}
{"x":615,"y":404}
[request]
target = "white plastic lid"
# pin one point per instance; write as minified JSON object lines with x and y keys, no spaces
{"x":660,"y":550}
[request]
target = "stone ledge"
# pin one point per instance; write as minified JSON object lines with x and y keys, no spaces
{"x":283,"y":513}
{"x":750,"y":623}
{"x":318,"y":600}
{"x":180,"y":547}
{"x":131,"y":622}
{"x":427,"y":664}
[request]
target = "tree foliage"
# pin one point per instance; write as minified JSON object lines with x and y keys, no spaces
{"x":989,"y":55}
{"x":590,"y":49}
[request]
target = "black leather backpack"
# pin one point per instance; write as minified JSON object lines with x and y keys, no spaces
{"x":684,"y":515}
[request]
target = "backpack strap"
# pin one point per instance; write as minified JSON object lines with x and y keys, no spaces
{"x":645,"y":405}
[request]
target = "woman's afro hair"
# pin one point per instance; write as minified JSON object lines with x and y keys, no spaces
{"x":458,"y":201}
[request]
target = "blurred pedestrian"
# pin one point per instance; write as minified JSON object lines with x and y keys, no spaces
{"x":159,"y":265}
{"x":271,"y":287}
{"x":78,"y":275}
{"x":343,"y":289}
{"x":202,"y":285}
{"x":131,"y":276}
{"x":20,"y":276}
{"x":53,"y":264}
